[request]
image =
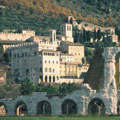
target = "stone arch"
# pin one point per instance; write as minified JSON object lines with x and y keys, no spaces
{"x":21,"y":109}
{"x":96,"y":107}
{"x":118,"y":108}
{"x":49,"y":78}
{"x":43,"y":108}
{"x":69,"y":107}
{"x":3,"y":110}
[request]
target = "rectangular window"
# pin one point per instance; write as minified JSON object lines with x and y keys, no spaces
{"x":69,"y":28}
{"x":15,"y":55}
{"x":45,"y":69}
{"x":40,"y":69}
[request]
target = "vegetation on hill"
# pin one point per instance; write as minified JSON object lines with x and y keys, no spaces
{"x":27,"y":88}
{"x":45,"y":14}
{"x":9,"y":91}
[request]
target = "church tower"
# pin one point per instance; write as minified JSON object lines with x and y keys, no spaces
{"x":66,"y":30}
{"x":52,"y":35}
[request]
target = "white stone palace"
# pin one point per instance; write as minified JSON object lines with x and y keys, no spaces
{"x":53,"y":58}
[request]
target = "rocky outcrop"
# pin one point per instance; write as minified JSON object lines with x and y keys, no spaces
{"x":103,"y":60}
{"x":3,"y":67}
{"x":95,"y":74}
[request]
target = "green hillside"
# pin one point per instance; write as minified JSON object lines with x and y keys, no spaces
{"x":41,"y":15}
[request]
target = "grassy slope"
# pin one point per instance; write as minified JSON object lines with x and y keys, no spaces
{"x":60,"y":118}
{"x":46,"y":14}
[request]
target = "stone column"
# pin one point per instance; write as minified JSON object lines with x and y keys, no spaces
{"x":82,"y":106}
{"x":10,"y":107}
{"x":56,"y":107}
{"x":109,"y":79}
{"x":32,"y":107}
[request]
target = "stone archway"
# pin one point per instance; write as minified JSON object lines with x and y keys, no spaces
{"x":118,"y":108}
{"x":69,"y":107}
{"x":3,"y":110}
{"x":96,"y":107}
{"x":21,"y":109}
{"x":43,"y":108}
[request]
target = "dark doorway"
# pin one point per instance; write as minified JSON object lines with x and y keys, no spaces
{"x":43,"y":108}
{"x":21,"y":109}
{"x":96,"y":107}
{"x":69,"y":107}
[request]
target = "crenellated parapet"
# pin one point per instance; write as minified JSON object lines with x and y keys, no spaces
{"x":22,"y":45}
{"x":26,"y":34}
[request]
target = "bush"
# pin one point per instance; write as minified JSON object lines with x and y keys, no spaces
{"x":26,"y":87}
{"x":89,"y":53}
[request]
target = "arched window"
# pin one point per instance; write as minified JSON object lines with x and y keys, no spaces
{"x":96,"y":107}
{"x":45,"y":78}
{"x":45,"y":69}
{"x":50,"y":79}
{"x":40,"y":69}
{"x":43,"y":108}
{"x":21,"y":109}
{"x":53,"y":78}
{"x":49,"y":69}
{"x":69,"y":107}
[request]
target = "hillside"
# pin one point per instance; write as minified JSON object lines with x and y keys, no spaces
{"x":45,"y":14}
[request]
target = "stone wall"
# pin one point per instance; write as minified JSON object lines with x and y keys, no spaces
{"x":82,"y":102}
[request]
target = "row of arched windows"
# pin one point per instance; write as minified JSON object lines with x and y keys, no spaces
{"x":51,"y":62}
{"x":51,"y":79}
{"x":49,"y":70}
{"x":51,"y":54}
{"x":68,"y":107}
{"x":18,"y":55}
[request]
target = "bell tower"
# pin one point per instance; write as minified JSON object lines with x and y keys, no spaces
{"x":52,"y":35}
{"x":66,"y":30}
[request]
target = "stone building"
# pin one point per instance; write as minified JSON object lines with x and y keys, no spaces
{"x":24,"y":61}
{"x":65,"y":57}
{"x":111,"y":38}
{"x":72,"y":72}
{"x":54,"y":53}
{"x":66,"y":33}
{"x":49,"y":65}
{"x":26,"y":34}
{"x":103,"y":99}
{"x":75,"y":49}
{"x":47,"y":42}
